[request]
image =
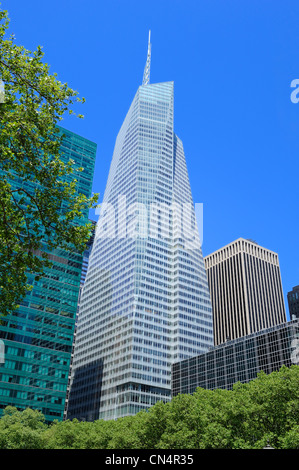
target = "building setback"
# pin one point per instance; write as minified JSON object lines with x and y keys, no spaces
{"x":38,"y":337}
{"x":246,"y":289}
{"x":86,"y":254}
{"x":145,"y":301}
{"x":293,"y":302}
{"x":85,"y":262}
{"x":239,"y":360}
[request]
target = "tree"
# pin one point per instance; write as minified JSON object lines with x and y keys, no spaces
{"x":265,"y":410}
{"x":22,"y":429}
{"x":52,"y":213}
{"x":252,"y":414}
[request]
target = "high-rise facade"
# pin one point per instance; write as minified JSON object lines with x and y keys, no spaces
{"x":85,"y":262}
{"x":145,"y":301}
{"x":38,"y":337}
{"x":246,"y":289}
{"x":293,"y":302}
{"x":86,"y":255}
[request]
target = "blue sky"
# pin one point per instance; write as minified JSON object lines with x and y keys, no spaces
{"x":232,"y":63}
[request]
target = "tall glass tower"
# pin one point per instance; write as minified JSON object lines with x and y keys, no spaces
{"x":145,"y":301}
{"x":37,"y":338}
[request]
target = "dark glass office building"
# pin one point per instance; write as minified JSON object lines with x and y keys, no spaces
{"x":239,"y":360}
{"x":85,"y":262}
{"x":293,"y":301}
{"x":36,"y":341}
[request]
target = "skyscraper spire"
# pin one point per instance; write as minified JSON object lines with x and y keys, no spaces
{"x":147,"y":69}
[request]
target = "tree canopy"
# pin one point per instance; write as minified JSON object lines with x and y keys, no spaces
{"x":39,"y":201}
{"x":250,"y":416}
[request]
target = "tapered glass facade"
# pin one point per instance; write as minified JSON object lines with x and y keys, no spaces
{"x":37,"y":339}
{"x":145,"y":301}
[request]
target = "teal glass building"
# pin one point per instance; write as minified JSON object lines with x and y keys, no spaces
{"x":37,"y":339}
{"x":145,"y":302}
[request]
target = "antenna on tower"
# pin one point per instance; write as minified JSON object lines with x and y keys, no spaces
{"x":147,"y":69}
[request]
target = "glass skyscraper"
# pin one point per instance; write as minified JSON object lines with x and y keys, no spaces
{"x":37,"y":339}
{"x":293,"y":302}
{"x":85,"y":261}
{"x":145,"y":301}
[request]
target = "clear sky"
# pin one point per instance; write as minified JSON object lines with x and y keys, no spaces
{"x":232,"y":63}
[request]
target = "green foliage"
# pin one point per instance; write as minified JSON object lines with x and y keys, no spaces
{"x":22,"y":430}
{"x":179,"y":423}
{"x":265,"y":410}
{"x":79,"y":435}
{"x":39,"y":201}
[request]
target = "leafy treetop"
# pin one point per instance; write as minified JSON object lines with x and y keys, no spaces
{"x":39,"y":203}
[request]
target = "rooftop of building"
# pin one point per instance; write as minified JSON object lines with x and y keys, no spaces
{"x":239,"y":241}
{"x":294,"y":289}
{"x":289,"y":324}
